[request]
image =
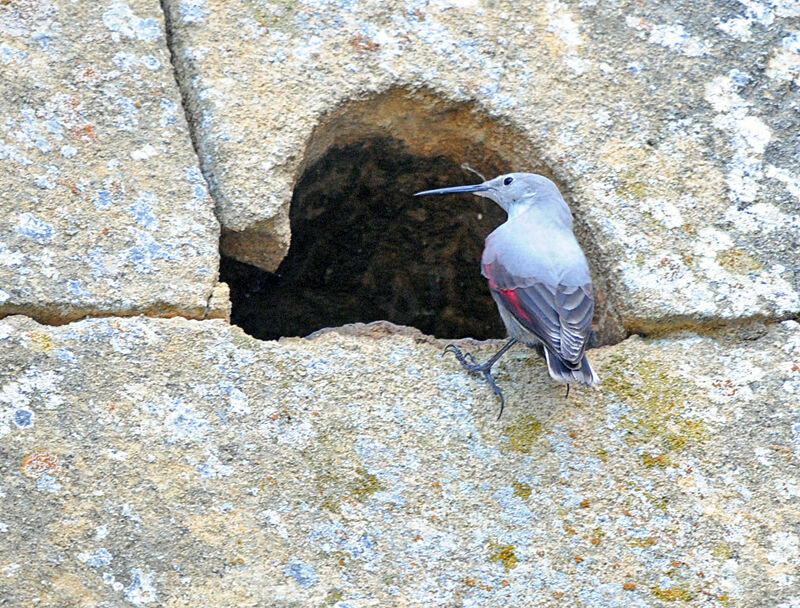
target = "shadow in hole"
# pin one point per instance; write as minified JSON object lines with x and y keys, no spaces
{"x":363,"y":249}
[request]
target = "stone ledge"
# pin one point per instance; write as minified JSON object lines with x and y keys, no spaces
{"x":177,"y":463}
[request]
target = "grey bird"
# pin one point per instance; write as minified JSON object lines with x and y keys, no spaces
{"x":538,"y":277}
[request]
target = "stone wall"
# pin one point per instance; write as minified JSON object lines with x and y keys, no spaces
{"x":153,"y":454}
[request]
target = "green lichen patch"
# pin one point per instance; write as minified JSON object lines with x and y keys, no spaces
{"x":681,"y":593}
{"x":334,"y":596}
{"x":499,"y":552}
{"x":658,"y":460}
{"x":329,"y":483}
{"x":690,"y":430}
{"x":521,"y":489}
{"x":630,"y":187}
{"x":660,"y":502}
{"x":279,"y":14}
{"x":657,"y":401}
{"x":722,"y":551}
{"x":737,"y":261}
{"x":522,"y":434}
{"x":338,"y":473}
{"x":597,"y":536}
{"x":363,"y":483}
{"x":336,"y":485}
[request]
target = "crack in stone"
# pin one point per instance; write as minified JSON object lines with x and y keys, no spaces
{"x":183,"y":90}
{"x":194,"y":136}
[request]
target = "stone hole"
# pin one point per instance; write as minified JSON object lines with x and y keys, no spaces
{"x":363,"y":248}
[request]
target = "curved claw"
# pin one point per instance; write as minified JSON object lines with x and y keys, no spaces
{"x":487,"y":374}
{"x":451,"y":348}
{"x":465,"y":359}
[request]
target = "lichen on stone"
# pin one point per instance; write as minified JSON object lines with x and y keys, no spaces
{"x":522,"y":434}
{"x":503,"y":553}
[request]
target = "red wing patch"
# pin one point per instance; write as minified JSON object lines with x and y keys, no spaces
{"x":558,"y":315}
{"x":489,"y":276}
{"x":511,"y":296}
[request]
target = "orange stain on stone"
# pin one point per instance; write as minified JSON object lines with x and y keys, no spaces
{"x":36,"y":464}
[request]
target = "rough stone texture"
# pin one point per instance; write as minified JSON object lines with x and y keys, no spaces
{"x":672,"y":126}
{"x":104,"y":209}
{"x":212,"y":469}
{"x":170,"y":462}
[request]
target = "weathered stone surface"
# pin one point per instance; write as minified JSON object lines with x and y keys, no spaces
{"x":177,"y":463}
{"x":104,"y":208}
{"x":670,"y":125}
{"x":181,"y":463}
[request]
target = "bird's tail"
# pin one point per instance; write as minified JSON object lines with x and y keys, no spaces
{"x":561,"y":373}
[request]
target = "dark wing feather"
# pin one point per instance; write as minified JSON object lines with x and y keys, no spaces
{"x":559,"y":315}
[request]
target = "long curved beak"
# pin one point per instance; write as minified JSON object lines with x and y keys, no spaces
{"x":472,"y":188}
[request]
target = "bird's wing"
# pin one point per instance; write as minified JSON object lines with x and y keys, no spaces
{"x":559,"y":315}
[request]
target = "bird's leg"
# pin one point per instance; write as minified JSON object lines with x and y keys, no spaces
{"x":468,"y":362}
{"x":567,"y":395}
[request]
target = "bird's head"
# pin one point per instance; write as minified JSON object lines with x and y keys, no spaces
{"x":514,"y":192}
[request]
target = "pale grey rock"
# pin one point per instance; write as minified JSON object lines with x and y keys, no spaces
{"x":169,"y":462}
{"x":671,"y":126}
{"x":175,"y":462}
{"x":104,"y":208}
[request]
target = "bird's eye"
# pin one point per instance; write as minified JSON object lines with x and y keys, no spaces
{"x":507,"y":181}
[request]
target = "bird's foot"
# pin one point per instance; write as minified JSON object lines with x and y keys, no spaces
{"x":465,"y":359}
{"x":468,"y":362}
